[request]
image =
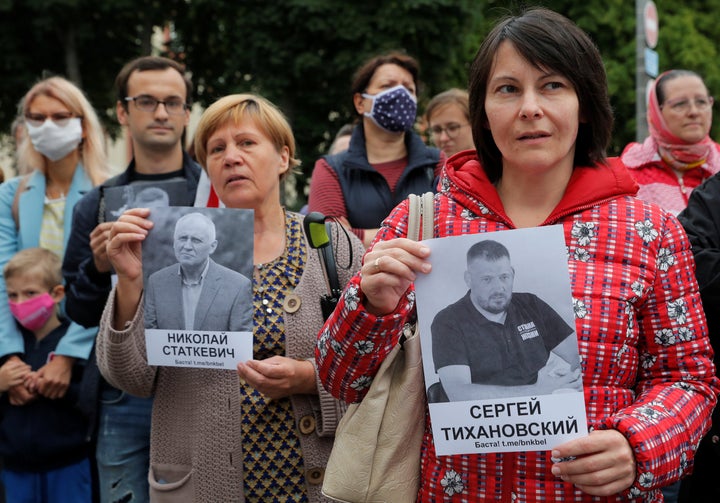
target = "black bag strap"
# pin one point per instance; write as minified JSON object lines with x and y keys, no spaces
{"x":330,"y":264}
{"x":319,"y":235}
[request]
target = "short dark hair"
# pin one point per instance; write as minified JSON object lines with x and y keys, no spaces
{"x":488,"y":250}
{"x":145,"y":63}
{"x":665,"y":77}
{"x":364,"y":74}
{"x":548,"y":41}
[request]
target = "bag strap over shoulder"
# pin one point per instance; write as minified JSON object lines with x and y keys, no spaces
{"x":422,"y":210}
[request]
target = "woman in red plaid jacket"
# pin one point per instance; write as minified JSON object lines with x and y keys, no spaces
{"x":542,"y":121}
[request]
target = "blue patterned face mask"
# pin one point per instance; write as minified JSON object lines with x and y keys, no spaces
{"x":393,"y":109}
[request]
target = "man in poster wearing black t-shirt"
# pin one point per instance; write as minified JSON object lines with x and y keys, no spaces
{"x":494,"y":343}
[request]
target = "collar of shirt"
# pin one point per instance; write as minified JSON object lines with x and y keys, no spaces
{"x":185,"y":282}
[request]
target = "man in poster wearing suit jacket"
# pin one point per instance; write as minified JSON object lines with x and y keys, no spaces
{"x":197,"y":293}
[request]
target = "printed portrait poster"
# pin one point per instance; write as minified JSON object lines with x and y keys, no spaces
{"x":500,"y":355}
{"x":197,"y":273}
{"x":145,"y":194}
{"x":142,"y":194}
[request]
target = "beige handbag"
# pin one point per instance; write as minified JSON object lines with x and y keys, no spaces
{"x":376,"y":454}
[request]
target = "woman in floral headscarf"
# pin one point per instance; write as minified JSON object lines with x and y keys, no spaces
{"x":678,"y":155}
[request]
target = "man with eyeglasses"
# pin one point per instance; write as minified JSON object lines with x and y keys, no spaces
{"x":153,"y":102}
{"x":494,"y":343}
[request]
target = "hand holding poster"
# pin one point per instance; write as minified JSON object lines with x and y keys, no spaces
{"x":499,"y":346}
{"x":140,"y":194}
{"x":198,"y":294}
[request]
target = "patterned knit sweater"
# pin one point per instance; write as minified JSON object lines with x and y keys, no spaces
{"x":646,"y":358}
{"x":196,"y":441}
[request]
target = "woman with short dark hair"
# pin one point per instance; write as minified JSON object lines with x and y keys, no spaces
{"x":541,"y":120}
{"x":386,"y":160}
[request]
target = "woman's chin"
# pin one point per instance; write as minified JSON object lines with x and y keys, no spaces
{"x":231,"y":200}
{"x":234,"y":195}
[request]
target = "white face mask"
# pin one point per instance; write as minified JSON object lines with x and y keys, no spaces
{"x":53,"y":141}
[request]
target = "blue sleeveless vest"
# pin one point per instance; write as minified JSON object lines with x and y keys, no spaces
{"x":368,"y":199}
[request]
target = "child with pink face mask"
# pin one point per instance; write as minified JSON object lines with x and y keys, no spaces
{"x":43,"y":442}
{"x":63,"y":157}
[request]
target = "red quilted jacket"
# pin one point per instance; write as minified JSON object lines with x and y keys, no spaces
{"x":646,"y":358}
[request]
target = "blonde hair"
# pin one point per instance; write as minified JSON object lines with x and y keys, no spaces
{"x":238,"y":107}
{"x":40,"y":261}
{"x":92,"y":147}
{"x":452,"y":96}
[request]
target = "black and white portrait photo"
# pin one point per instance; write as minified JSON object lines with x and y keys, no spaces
{"x":497,"y":322}
{"x":199,"y":289}
{"x":145,"y":194}
{"x":494,"y":342}
{"x":197,"y":265}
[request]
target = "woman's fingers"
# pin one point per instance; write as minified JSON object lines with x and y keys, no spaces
{"x":389,"y":269}
{"x":600,"y":464}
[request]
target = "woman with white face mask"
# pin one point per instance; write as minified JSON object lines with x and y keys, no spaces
{"x":386,"y":160}
{"x":64,"y":157}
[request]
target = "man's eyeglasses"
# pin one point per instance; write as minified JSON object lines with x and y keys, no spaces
{"x":451,"y":130}
{"x":173,"y":106}
{"x":683,"y":105}
{"x":60,"y":119}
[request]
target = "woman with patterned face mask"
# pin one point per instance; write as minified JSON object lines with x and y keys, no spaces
{"x":386,"y":160}
{"x":63,"y":157}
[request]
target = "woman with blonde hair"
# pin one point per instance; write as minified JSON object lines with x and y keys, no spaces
{"x":63,"y":157}
{"x":41,"y":153}
{"x":448,"y":121}
{"x":263,"y":433}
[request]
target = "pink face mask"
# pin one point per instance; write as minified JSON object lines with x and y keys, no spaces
{"x":35,"y":312}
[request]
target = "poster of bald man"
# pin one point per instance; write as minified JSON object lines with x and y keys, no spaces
{"x":197,"y":270}
{"x":499,"y":344}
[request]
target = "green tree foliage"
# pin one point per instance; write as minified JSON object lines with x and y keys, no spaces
{"x":86,"y":41}
{"x":689,"y":35}
{"x":688,"y":38}
{"x":301,"y":54}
